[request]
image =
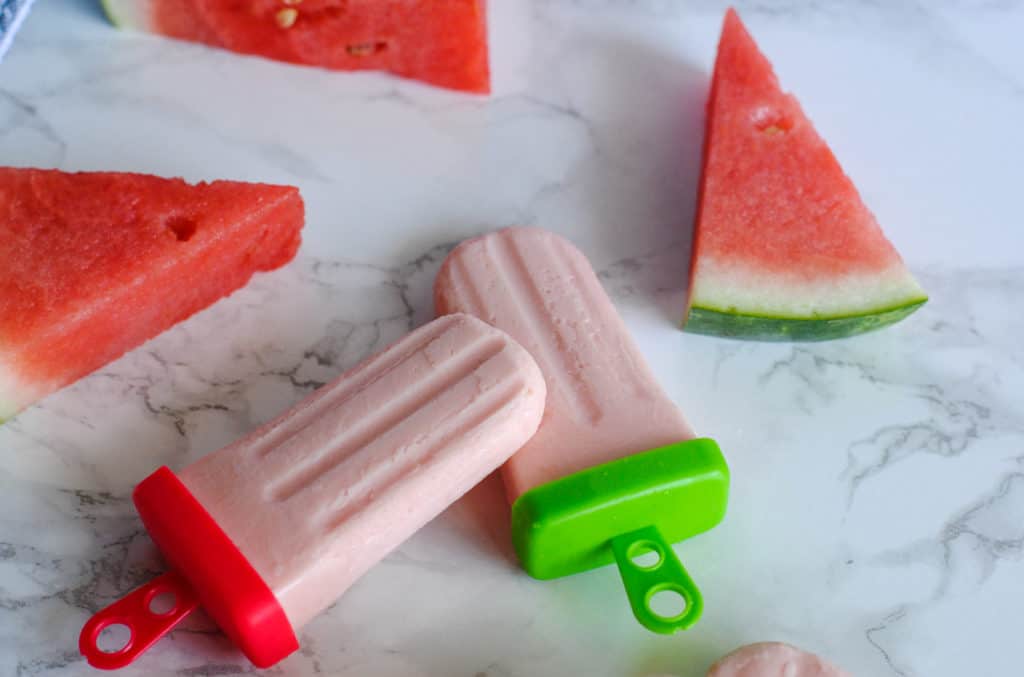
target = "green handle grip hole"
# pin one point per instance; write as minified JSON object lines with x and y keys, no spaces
{"x":645,"y":555}
{"x":667,"y":602}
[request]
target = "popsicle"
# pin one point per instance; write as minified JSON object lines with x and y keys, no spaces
{"x":270,"y":530}
{"x":773,"y":659}
{"x":614,"y":470}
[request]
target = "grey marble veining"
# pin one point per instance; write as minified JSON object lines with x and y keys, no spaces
{"x":878,"y":497}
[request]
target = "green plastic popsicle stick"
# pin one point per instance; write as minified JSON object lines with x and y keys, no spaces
{"x":566,"y":526}
{"x":606,"y":513}
{"x":644,"y":581}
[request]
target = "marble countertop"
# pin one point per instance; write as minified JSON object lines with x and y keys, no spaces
{"x":877,"y":514}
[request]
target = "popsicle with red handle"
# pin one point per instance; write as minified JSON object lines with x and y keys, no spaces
{"x":614,"y":469}
{"x":269,"y":531}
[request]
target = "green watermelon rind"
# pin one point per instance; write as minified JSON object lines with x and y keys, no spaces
{"x":7,"y":407}
{"x":733,"y":324}
{"x":128,"y":14}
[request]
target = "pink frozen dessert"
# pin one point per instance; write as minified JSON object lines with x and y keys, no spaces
{"x":773,"y":659}
{"x":614,"y":470}
{"x":269,"y":531}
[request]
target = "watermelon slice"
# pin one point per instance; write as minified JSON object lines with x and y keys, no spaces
{"x":441,"y":42}
{"x":784,"y":248}
{"x":93,"y":264}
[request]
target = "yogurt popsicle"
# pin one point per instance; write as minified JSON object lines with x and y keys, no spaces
{"x":773,"y":659}
{"x":269,"y":531}
{"x":614,"y":469}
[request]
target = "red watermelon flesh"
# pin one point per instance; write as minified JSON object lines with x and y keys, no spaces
{"x":96,"y":263}
{"x":441,"y":42}
{"x":784,"y":246}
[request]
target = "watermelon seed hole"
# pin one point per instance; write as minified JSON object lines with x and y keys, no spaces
{"x":367,"y":48}
{"x":182,"y":227}
{"x":771,"y":122}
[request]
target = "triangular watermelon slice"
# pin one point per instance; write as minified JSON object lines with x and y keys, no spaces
{"x":784,"y":248}
{"x":93,"y":264}
{"x":440,"y":42}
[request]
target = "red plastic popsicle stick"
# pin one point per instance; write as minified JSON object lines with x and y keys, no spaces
{"x":134,"y":611}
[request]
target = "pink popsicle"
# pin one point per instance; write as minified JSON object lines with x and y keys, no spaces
{"x":613,"y":454}
{"x":603,"y":400}
{"x":319,"y":495}
{"x":773,"y":659}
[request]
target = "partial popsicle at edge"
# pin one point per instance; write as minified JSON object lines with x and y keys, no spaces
{"x":614,"y":467}
{"x":310,"y":501}
{"x":773,"y":659}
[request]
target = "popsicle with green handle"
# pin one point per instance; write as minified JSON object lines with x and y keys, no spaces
{"x":614,"y":470}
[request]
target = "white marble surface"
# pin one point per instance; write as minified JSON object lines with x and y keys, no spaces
{"x":878,"y":506}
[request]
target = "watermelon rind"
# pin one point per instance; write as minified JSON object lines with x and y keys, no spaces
{"x":131,"y":14}
{"x":731,"y":324}
{"x":10,"y":389}
{"x":740,"y":299}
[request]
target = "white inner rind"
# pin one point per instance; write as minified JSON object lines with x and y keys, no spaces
{"x":742,"y":289}
{"x":15,"y":394}
{"x":133,"y":14}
